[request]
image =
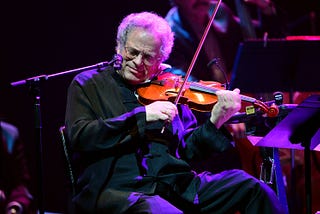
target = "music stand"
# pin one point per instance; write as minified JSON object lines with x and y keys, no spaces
{"x":299,"y":130}
{"x":276,"y":65}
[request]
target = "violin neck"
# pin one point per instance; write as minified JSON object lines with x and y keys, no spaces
{"x":248,"y":99}
{"x":211,"y":90}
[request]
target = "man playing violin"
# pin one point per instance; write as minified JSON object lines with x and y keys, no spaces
{"x":135,"y":157}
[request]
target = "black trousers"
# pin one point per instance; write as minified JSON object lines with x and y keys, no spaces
{"x":225,"y":192}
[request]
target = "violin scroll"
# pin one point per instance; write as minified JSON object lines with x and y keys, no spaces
{"x":271,"y":111}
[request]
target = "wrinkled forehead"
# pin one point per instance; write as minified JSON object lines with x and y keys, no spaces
{"x":144,"y":39}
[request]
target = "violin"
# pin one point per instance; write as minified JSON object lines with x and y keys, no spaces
{"x":199,"y":96}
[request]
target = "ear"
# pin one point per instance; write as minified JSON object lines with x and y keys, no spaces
{"x":117,"y":49}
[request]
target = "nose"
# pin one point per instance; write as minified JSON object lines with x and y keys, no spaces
{"x":138,"y":59}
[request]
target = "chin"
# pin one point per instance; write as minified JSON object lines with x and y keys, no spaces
{"x":134,"y":80}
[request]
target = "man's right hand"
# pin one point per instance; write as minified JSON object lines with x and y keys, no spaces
{"x":161,"y":110}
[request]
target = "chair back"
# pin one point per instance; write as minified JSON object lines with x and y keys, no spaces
{"x":68,"y":158}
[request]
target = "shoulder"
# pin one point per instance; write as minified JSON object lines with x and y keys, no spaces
{"x":85,"y":76}
{"x":10,"y":134}
{"x":175,"y":21}
{"x":9,"y":130}
{"x":172,"y":16}
{"x":180,"y":27}
{"x":93,"y":75}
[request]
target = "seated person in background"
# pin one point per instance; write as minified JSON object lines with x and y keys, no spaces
{"x":14,"y":174}
{"x":136,"y":156}
{"x":188,"y":20}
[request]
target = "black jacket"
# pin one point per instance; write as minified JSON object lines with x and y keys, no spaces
{"x":118,"y":150}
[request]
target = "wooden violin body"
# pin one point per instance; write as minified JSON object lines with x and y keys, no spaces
{"x":199,"y":96}
{"x":167,"y":86}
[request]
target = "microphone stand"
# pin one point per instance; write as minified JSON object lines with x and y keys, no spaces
{"x":35,"y":89}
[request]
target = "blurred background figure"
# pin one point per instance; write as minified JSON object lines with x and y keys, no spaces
{"x":14,"y":174}
{"x":188,"y":19}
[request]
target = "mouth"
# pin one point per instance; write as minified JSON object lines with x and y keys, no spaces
{"x":138,"y":74}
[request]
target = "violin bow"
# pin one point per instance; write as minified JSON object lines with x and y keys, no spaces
{"x":195,"y":56}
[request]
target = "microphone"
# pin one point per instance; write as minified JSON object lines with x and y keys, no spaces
{"x":117,"y":61}
{"x":215,"y":61}
{"x":212,"y":62}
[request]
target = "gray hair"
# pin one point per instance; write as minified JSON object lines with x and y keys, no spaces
{"x":150,"y":21}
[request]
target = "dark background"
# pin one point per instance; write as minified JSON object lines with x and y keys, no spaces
{"x":47,"y":37}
